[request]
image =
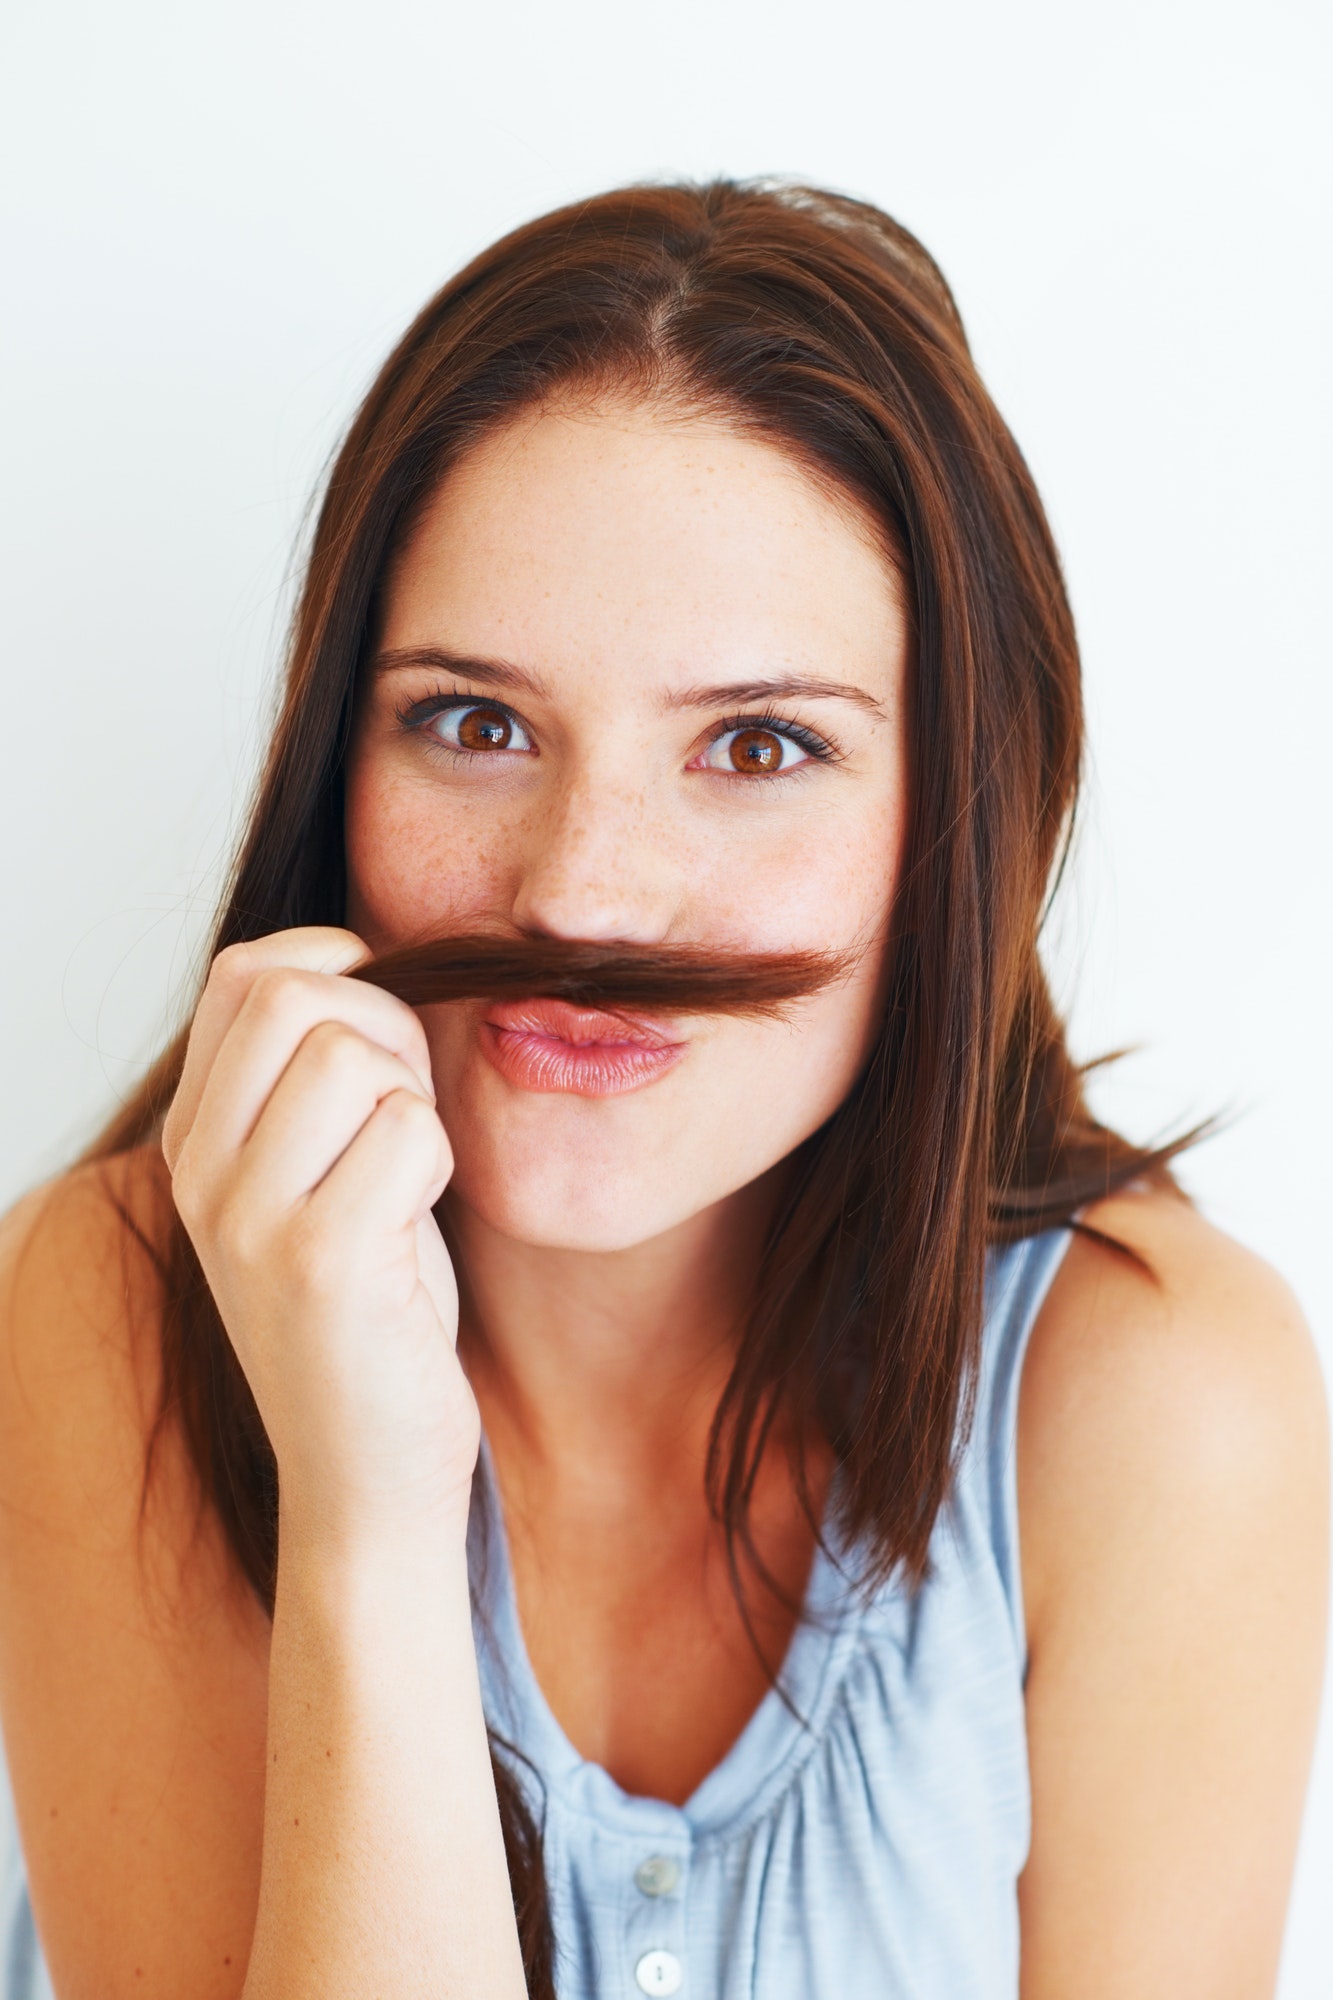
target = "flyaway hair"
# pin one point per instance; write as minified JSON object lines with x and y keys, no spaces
{"x":820,"y":326}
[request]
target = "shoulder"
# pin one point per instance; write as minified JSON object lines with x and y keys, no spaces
{"x":71,"y":1223}
{"x":80,"y":1279}
{"x":1173,"y":1523}
{"x":1171,"y":1385}
{"x":81,"y":1293}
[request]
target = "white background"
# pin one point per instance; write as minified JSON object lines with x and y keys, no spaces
{"x":218,"y":218}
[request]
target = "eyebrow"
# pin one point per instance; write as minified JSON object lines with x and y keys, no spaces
{"x":467,"y":666}
{"x":786,"y":687}
{"x":724,"y":694}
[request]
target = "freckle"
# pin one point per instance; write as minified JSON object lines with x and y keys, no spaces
{"x":226,"y":1961}
{"x":296,"y":1822}
{"x":328,"y":1753}
{"x":55,"y":1812}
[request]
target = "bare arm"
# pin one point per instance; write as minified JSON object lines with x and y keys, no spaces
{"x":383,"y":1865}
{"x":133,"y":1665}
{"x":358,"y":1849}
{"x":1174,"y":1507}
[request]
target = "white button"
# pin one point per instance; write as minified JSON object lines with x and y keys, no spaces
{"x":659,"y":1972}
{"x":657,"y":1876}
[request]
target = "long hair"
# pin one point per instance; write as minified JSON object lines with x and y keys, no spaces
{"x":819,"y":325}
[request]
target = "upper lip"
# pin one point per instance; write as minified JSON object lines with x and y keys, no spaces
{"x":580,"y":1027}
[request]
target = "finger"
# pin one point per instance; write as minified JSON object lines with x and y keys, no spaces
{"x":279,"y":1011}
{"x":230,"y":977}
{"x":435,"y":1270}
{"x":328,"y":1090}
{"x":390,"y":1176}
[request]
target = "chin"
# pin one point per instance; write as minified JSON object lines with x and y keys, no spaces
{"x":560,"y":1174}
{"x":560,"y":1171}
{"x":592,"y":1220}
{"x":563,"y":1172}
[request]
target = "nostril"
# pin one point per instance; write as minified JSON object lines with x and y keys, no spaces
{"x":630,"y":908}
{"x":599,"y":867}
{"x":589,"y":921}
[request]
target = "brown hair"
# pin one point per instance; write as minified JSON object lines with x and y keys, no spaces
{"x":817,"y":323}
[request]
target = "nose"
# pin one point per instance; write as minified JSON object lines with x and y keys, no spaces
{"x":598,"y":865}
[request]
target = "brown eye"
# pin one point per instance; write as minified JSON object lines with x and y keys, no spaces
{"x":484,"y":729}
{"x":472,"y":728}
{"x":755,"y":750}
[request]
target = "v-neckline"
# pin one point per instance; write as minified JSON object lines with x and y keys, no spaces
{"x":759,"y":1759}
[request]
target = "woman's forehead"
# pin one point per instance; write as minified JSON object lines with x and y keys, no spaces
{"x":610,"y":533}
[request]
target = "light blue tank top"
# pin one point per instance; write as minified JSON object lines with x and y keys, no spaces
{"x":861,"y":1840}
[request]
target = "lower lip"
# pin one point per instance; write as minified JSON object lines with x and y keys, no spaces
{"x":585,"y":1069}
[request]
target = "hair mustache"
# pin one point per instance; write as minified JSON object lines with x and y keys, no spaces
{"x":685,"y":979}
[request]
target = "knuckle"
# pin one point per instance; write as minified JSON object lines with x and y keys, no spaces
{"x":414,"y":1120}
{"x":272,"y":990}
{"x":403,"y":1108}
{"x":336,"y":1052}
{"x":236,"y":965}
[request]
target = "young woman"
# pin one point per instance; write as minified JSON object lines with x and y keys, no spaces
{"x":686,"y":1461}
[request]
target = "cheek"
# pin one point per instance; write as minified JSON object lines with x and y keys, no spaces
{"x":827,"y":1047}
{"x":831,"y":889}
{"x":412,"y":865}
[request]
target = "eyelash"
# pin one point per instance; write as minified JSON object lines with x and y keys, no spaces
{"x":806,"y":739}
{"x":412,"y":714}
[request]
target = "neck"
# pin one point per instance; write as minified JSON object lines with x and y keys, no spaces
{"x":607,"y":1365}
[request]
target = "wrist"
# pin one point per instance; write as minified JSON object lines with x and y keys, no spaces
{"x":338,"y":1551}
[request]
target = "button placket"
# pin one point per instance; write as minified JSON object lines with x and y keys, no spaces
{"x":656,"y":1922}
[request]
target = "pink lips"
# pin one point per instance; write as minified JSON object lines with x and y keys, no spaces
{"x":549,"y":1045}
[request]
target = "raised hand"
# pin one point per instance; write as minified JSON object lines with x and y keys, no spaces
{"x":306,"y":1156}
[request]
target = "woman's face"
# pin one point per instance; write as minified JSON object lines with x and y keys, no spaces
{"x":640,"y":679}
